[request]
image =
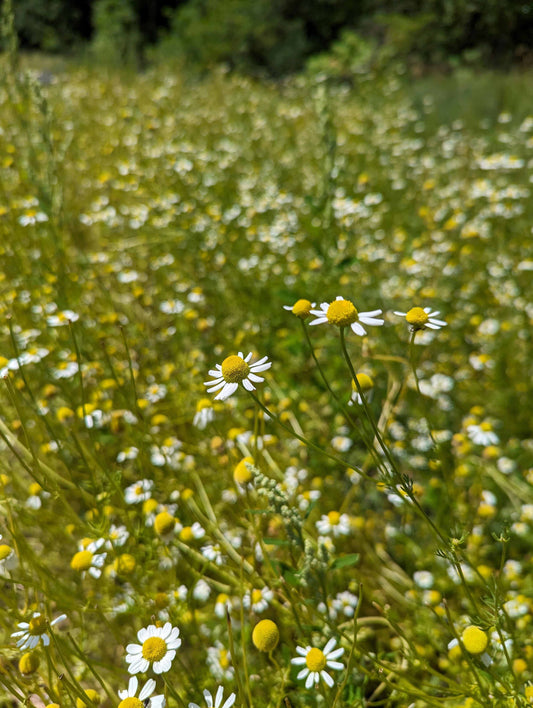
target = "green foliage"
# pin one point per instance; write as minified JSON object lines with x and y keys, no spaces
{"x":116,"y":39}
{"x":238,"y":33}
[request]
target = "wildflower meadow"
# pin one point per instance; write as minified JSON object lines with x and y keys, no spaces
{"x":266,"y":424}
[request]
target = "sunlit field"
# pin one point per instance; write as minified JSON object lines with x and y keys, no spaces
{"x":266,"y":392}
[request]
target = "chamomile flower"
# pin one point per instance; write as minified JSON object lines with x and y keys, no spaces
{"x":157,"y":649}
{"x":204,"y":414}
{"x":365,"y":384}
{"x":129,"y":699}
{"x":482,"y":434}
{"x":216,"y":703}
{"x":342,"y":313}
{"x":334,"y":523}
{"x":34,"y":631}
{"x":8,"y":559}
{"x":235,"y":370}
{"x":139,"y":491}
{"x":258,"y":600}
{"x":301,"y":308}
{"x":315,"y":661}
{"x":422,"y":318}
{"x":87,"y":560}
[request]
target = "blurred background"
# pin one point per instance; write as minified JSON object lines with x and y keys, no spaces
{"x":275,"y":38}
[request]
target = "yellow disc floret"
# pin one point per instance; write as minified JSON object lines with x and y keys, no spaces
{"x":37,"y":625}
{"x":334,"y":517}
{"x":265,"y":635}
{"x":131,"y":702}
{"x":241,"y":473}
{"x":154,"y":649}
{"x":315,"y":660}
{"x":341,"y":313}
{"x":474,"y":639}
{"x":302,"y":309}
{"x":28,"y":663}
{"x":124,"y":564}
{"x":364,"y":381}
{"x":92,"y":698}
{"x":417,"y":317}
{"x":5,"y":551}
{"x":81,"y":561}
{"x":234,"y":369}
{"x":164,"y":523}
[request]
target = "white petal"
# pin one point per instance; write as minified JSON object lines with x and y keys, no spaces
{"x":302,"y":674}
{"x":358,"y":329}
{"x":335,"y":654}
{"x":401,"y":314}
{"x":337,"y":665}
{"x":327,"y":678}
{"x":319,"y":320}
{"x":46,"y":639}
{"x":298,"y":661}
{"x":147,"y":689}
{"x":247,"y":358}
{"x":217,"y":386}
{"x":133,"y":649}
{"x":260,"y":367}
{"x":331,"y":643}
{"x":218,"y":697}
{"x":438,"y":322}
{"x":58,"y":619}
{"x":226,"y":392}
{"x":310,"y":680}
{"x":372,"y":313}
{"x":230,"y":700}
{"x":372,"y":321}
{"x":214,"y":372}
{"x":255,"y":379}
{"x":248,"y":385}
{"x":303,"y":651}
{"x":132,"y":686}
{"x":208,"y":698}
{"x":430,"y":325}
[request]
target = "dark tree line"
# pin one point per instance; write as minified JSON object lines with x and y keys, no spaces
{"x":278,"y":36}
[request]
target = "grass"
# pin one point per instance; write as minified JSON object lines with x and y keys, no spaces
{"x":153,"y":226}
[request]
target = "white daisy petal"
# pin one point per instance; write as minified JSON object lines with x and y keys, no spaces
{"x":327,"y":678}
{"x":331,"y":643}
{"x":309,"y":680}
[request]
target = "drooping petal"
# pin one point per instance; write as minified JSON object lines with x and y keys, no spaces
{"x":248,"y":385}
{"x":327,"y":678}
{"x":358,"y":329}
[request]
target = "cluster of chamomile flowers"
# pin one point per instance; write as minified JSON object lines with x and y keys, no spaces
{"x":237,"y":369}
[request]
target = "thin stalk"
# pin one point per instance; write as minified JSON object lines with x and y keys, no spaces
{"x":305,"y":441}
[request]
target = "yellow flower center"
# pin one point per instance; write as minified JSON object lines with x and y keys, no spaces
{"x":234,"y":369}
{"x":186,"y":534}
{"x":203,"y":403}
{"x":265,"y":635}
{"x":164,"y":523}
{"x":334,"y":517}
{"x":475,"y":640}
{"x":315,"y":660}
{"x":154,"y":649}
{"x":256,"y":596}
{"x":224,"y":658}
{"x":37,"y":625}
{"x":241,"y":473}
{"x":131,"y":702}
{"x":81,"y":561}
{"x":417,"y":317}
{"x":341,"y":313}
{"x":301,"y":309}
{"x":4,"y":551}
{"x":124,"y":564}
{"x":364,"y":381}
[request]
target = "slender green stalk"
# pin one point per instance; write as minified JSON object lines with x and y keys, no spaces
{"x":305,"y":441}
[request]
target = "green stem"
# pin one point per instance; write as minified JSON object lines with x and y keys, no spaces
{"x":305,"y":441}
